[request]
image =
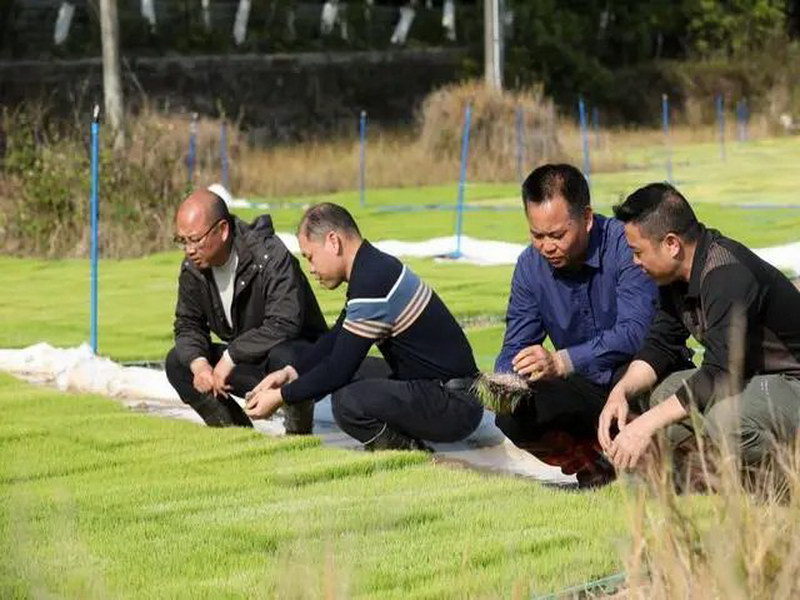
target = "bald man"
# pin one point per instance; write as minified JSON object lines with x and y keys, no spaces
{"x":241,"y":283}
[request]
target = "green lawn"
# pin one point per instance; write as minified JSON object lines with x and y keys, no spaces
{"x":97,"y":502}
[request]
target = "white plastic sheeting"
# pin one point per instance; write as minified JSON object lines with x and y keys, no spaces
{"x":147,"y":390}
{"x":240,"y":22}
{"x":63,"y":23}
{"x":149,"y":13}
{"x":400,"y":33}
{"x":449,"y":19}
{"x":785,"y":257}
{"x":488,"y":252}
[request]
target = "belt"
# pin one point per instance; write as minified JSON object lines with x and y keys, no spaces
{"x":461,"y":384}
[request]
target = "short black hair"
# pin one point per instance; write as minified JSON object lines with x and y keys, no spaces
{"x":549,"y":181}
{"x":324,"y":217}
{"x":659,"y":209}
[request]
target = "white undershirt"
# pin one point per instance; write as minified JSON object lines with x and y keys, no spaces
{"x":225,"y":278}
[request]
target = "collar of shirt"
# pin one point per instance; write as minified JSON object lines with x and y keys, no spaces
{"x":707,"y":236}
{"x":361,"y":255}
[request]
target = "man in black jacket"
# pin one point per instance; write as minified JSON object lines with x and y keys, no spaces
{"x":240,"y":282}
{"x":746,"y":315}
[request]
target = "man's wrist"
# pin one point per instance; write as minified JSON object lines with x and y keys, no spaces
{"x":226,"y":356}
{"x":291,"y":372}
{"x":663,"y":414}
{"x":564,"y":366}
{"x":199,"y":364}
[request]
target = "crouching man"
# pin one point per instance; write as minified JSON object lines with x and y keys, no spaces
{"x":241,"y":283}
{"x":746,"y":315}
{"x":427,"y":396}
{"x":577,"y":285}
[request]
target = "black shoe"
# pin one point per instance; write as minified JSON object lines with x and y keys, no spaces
{"x":389,"y":439}
{"x":600,"y":473}
{"x":298,"y":419}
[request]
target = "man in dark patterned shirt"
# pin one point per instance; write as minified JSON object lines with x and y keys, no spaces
{"x":746,"y":315}
{"x":427,"y":396}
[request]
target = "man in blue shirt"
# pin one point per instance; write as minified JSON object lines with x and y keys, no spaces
{"x":576,"y":284}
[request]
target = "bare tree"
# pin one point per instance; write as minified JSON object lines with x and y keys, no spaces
{"x":112,"y":84}
{"x":493,"y":43}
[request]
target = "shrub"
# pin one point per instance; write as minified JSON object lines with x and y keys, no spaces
{"x":493,"y":145}
{"x":44,"y":191}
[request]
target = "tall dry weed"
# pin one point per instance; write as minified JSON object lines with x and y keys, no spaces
{"x":741,"y":540}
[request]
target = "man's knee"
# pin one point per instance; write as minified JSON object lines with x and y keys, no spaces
{"x":341,"y":405}
{"x":509,"y":426}
{"x":173,"y":367}
{"x":735,"y":434}
{"x":669,"y":386}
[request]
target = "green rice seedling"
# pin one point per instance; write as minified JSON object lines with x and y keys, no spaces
{"x":501,"y":392}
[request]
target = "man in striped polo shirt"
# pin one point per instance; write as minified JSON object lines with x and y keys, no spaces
{"x":427,"y":393}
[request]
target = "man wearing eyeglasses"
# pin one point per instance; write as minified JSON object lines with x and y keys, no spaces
{"x":242,"y":284}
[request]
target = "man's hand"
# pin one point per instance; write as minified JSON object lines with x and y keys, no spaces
{"x":275,"y":380}
{"x":630,"y":444}
{"x":263,"y":404}
{"x":615,"y":411}
{"x":628,"y":447}
{"x":535,"y":363}
{"x":203,"y":380}
{"x":221,"y":373}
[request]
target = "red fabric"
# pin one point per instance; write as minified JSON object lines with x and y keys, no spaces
{"x":561,"y":449}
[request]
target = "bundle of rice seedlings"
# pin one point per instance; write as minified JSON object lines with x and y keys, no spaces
{"x":501,"y":392}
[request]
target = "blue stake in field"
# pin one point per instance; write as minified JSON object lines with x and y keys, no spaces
{"x":721,"y":122}
{"x":585,"y":140}
{"x":742,"y":116}
{"x":462,"y":180}
{"x":667,"y":144}
{"x":362,"y":159}
{"x":596,"y":126}
{"x":95,"y":213}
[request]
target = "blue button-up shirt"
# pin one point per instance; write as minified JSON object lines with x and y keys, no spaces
{"x":599,"y":314}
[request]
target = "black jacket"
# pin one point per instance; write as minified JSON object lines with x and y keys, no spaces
{"x":744,"y":312}
{"x":272,"y":300}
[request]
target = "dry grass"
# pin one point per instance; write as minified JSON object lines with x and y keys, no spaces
{"x":742,"y":542}
{"x":429,"y":155}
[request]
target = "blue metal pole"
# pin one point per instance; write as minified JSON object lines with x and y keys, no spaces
{"x":721,"y":118}
{"x":462,"y":178}
{"x":223,"y":152}
{"x":665,"y":124}
{"x":520,"y":146}
{"x":95,"y":213}
{"x":585,"y":140}
{"x":362,"y":177}
{"x":741,"y":117}
{"x":190,"y":159}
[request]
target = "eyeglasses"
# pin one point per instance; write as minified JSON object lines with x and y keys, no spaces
{"x":196,"y":241}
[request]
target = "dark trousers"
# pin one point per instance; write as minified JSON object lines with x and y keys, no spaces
{"x":421,"y":409}
{"x":220,"y":412}
{"x":557,"y":423}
